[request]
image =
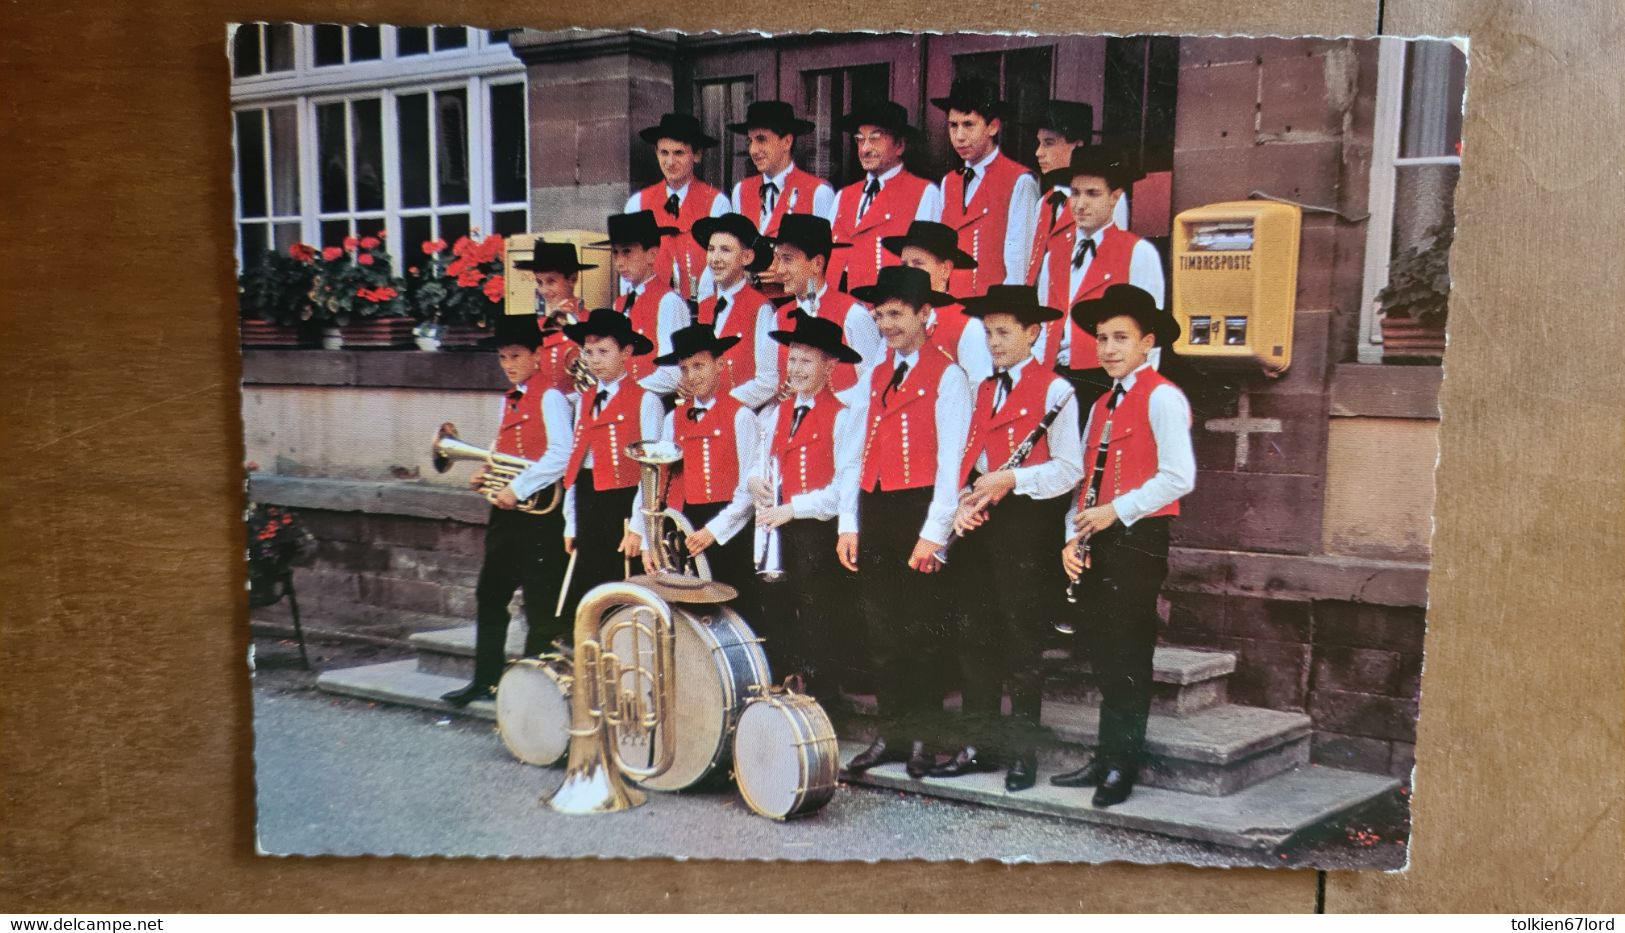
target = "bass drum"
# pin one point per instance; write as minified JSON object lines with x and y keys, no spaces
{"x":719,"y":662}
{"x":533,"y":709}
{"x":785,"y":756}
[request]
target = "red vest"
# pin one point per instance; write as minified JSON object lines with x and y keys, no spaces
{"x":709,"y":471}
{"x":981,"y":224}
{"x":900,"y":443}
{"x":681,"y":258}
{"x":1052,"y":249}
{"x":1132,"y":459}
{"x":523,"y":432}
{"x":949,"y":327}
{"x":739,"y":363}
{"x":796,"y":198}
{"x":806,"y":461}
{"x":606,"y":436}
{"x":1109,"y":266}
{"x":890,"y":214}
{"x":1001,"y":433}
{"x":834,"y":306}
{"x":646,"y":321}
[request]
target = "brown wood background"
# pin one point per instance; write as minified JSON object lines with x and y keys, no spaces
{"x":125,"y":771}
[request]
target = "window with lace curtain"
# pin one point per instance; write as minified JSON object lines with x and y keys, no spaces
{"x":718,"y":103}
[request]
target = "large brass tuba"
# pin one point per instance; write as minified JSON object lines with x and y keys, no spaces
{"x":666,"y":530}
{"x":500,"y":469}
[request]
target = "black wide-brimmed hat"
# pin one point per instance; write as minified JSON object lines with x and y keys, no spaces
{"x":1074,"y":120}
{"x":972,"y":95}
{"x":903,"y":283}
{"x":818,"y":333}
{"x":940,"y":240}
{"x":695,"y":338}
{"x":808,"y":233}
{"x":1137,"y":303}
{"x":763,"y":251}
{"x":678,"y":126}
{"x":1101,"y":161}
{"x":775,"y":115}
{"x":514,"y":330}
{"x":607,"y":322}
{"x":738,"y":226}
{"x":1019,"y":300}
{"x":552,"y":257}
{"x":888,"y":115}
{"x":637,"y":227}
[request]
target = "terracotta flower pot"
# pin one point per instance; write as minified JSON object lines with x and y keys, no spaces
{"x":379,"y":333}
{"x":1410,"y":339}
{"x":270,"y":336}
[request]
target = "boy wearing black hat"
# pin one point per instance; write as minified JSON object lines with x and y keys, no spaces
{"x":680,"y":199}
{"x":600,"y":479}
{"x":1146,"y":466}
{"x":647,"y":300}
{"x":522,"y":549}
{"x":811,"y":448}
{"x":557,"y":270}
{"x":883,"y":202}
{"x":735,"y":309}
{"x":801,"y":255}
{"x":1007,"y":516}
{"x":718,"y":438}
{"x":782,"y":189}
{"x":1103,"y":254}
{"x":990,"y":198}
{"x":934,"y":248}
{"x":918,"y":413}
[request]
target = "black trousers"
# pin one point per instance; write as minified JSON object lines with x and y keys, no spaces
{"x":808,"y":613}
{"x":1118,"y":628}
{"x":522,"y":551}
{"x":1007,"y":578}
{"x":907,"y":616}
{"x":600,"y":524}
{"x":731,"y":563}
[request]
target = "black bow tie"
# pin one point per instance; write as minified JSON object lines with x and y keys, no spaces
{"x":514,"y":395}
{"x":1056,"y":199}
{"x":1086,"y":247}
{"x":1117,"y":396}
{"x":598,"y":400}
{"x":769,"y":192}
{"x":672,"y":205}
{"x":896,"y":381}
{"x":722,"y":305}
{"x":869,"y":192}
{"x":1002,"y":391}
{"x":695,"y":412}
{"x":631,"y":299}
{"x":969,"y":175}
{"x":795,"y":422}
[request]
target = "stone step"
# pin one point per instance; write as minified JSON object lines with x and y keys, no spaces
{"x":1261,"y":817}
{"x":1185,"y":680}
{"x":403,"y":684}
{"x":450,"y":651}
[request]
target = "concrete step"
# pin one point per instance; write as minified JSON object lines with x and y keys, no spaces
{"x":1185,"y":680}
{"x":402,"y":683}
{"x":1213,"y":752}
{"x":1261,"y":817}
{"x":450,"y":651}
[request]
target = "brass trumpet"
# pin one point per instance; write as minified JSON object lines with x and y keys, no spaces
{"x":500,"y":469}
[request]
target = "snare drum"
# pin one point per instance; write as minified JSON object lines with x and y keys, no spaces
{"x":719,"y":661}
{"x":785,"y":755}
{"x":533,"y":709}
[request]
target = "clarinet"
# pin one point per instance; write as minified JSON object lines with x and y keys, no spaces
{"x":1090,"y":496}
{"x":1017,"y":458}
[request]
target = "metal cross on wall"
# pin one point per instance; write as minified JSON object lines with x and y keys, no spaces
{"x":1243,"y":425}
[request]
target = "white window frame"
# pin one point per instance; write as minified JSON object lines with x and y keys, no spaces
{"x":1385,"y":165}
{"x":272,"y":219}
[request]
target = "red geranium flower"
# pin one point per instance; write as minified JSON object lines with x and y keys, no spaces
{"x":331,"y":253}
{"x":303,"y":252}
{"x":461,"y":246}
{"x":365,"y":292}
{"x":411,"y":270}
{"x":458,"y":266}
{"x":365,"y":259}
{"x":385,"y":292}
{"x":470,"y":278}
{"x":383,"y":234}
{"x":430,"y":247}
{"x":370,"y":242}
{"x":350,"y":242}
{"x":495,"y":288}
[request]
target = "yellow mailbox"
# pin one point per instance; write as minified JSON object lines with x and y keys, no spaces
{"x":1236,"y":280}
{"x":595,"y":286}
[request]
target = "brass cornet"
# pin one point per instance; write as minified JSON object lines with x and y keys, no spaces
{"x":500,"y":469}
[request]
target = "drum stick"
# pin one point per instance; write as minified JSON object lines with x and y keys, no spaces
{"x":564,"y":588}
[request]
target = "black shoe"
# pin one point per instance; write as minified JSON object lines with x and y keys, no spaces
{"x":878,"y":753}
{"x":1087,"y":776}
{"x":466,"y":695}
{"x":1114,"y":788}
{"x":967,"y":760}
{"x":1023,"y":772}
{"x":920,"y":763}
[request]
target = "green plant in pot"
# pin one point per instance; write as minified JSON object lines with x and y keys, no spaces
{"x":1416,"y":302}
{"x":457,"y":289}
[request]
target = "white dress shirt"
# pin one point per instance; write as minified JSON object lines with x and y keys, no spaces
{"x":650,"y":412}
{"x":763,"y":385}
{"x":1144,"y":272}
{"x":1019,"y":224}
{"x":971,"y":353}
{"x":953,"y":414}
{"x":861,"y":335}
{"x":740,"y":510}
{"x":1170,"y":416}
{"x":929,"y":208}
{"x":672,"y":315}
{"x":1058,"y":475}
{"x":550,"y":468}
{"x":826,"y":502}
{"x":823,"y":196}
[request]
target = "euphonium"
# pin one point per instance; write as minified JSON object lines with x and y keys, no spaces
{"x":500,"y":469}
{"x":666,"y":530}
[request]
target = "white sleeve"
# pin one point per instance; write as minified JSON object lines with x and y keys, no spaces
{"x":720,"y":205}
{"x":824,"y":200}
{"x":930,"y":203}
{"x":1170,"y":417}
{"x":1145,"y":270}
{"x":570,"y":512}
{"x":550,"y":468}
{"x":633,"y":202}
{"x":974,"y":357}
{"x":733,"y":200}
{"x":1120,"y":212}
{"x":737,"y":514}
{"x":863,"y":336}
{"x":1063,"y":356}
{"x":1023,"y":214}
{"x":764,"y":383}
{"x":1058,"y":475}
{"x":953,"y":425}
{"x":673,"y":316}
{"x":850,"y":425}
{"x":828,"y":213}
